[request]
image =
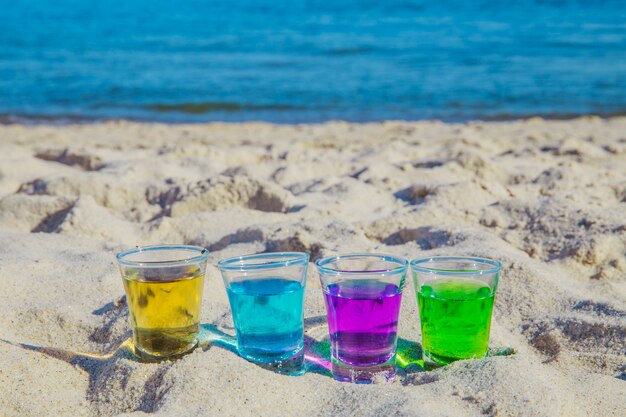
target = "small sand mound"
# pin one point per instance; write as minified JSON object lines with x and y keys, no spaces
{"x":481,"y":167}
{"x":129,"y":201}
{"x":224,"y":192}
{"x":246,"y":235}
{"x":550,"y":230}
{"x":38,"y":213}
{"x":87,"y":218}
{"x":467,"y":195}
{"x":298,"y":242}
{"x":576,"y":148}
{"x":72,"y":157}
{"x":416,"y":193}
{"x":579,"y":336}
{"x":426,"y":237}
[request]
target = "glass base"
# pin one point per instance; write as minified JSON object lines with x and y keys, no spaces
{"x":433,"y":360}
{"x":259,"y":355}
{"x":292,"y":365}
{"x":383,"y":372}
{"x":145,"y":356}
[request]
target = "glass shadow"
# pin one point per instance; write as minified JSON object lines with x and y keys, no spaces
{"x":409,"y":357}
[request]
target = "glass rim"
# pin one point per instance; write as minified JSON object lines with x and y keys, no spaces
{"x":402,"y":264}
{"x":417,"y":265}
{"x":249,"y":262}
{"x":202,"y":256}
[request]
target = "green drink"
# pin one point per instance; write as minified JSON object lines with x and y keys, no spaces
{"x":455,"y":297}
{"x":456,"y":317}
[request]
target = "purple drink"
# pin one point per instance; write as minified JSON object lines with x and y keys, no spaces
{"x":363,"y":321}
{"x":363,"y":292}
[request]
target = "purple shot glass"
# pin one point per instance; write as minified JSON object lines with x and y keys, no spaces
{"x":363,"y":293}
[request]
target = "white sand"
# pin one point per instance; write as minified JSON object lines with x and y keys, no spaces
{"x":548,"y":199}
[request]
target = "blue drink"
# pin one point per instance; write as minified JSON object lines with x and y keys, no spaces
{"x":268,"y":318}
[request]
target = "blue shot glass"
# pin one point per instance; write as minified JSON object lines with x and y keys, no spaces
{"x":266,"y":295}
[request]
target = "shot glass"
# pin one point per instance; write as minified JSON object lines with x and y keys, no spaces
{"x":266,"y":294}
{"x":455,"y":297}
{"x":164,"y":292}
{"x":363,"y":293}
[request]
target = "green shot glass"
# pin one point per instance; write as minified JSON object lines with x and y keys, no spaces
{"x":455,"y":297}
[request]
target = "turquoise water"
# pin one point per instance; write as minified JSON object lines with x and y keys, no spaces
{"x":268,"y":318}
{"x":300,"y":61}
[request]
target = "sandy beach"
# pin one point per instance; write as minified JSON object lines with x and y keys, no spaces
{"x":546,"y":198}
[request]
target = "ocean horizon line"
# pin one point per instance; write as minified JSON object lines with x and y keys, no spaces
{"x":32,"y":119}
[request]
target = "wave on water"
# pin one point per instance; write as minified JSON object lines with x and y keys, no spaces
{"x":197,"y":117}
{"x":357,"y":50}
{"x":46,"y":119}
{"x":207,"y":107}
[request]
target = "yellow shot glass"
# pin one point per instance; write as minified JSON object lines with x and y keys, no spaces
{"x":163,"y":287}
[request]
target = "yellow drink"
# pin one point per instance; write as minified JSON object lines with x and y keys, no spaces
{"x":165,"y":315}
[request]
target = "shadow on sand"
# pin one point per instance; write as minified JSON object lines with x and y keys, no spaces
{"x":409,"y":359}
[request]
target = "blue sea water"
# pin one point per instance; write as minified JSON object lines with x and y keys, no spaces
{"x":306,"y":61}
